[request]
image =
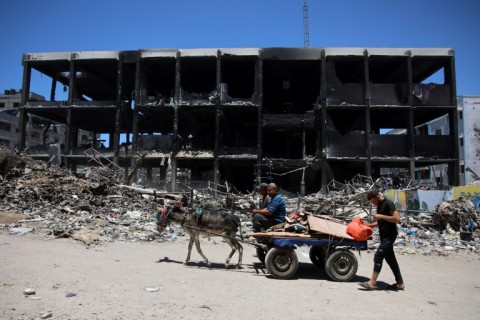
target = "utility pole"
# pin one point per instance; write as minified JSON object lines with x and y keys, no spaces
{"x":306,"y":33}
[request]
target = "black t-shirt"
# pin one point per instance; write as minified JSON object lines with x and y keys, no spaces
{"x":386,"y":229}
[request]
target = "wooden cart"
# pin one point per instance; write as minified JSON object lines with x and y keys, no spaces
{"x":330,"y":248}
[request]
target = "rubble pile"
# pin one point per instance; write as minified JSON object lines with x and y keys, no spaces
{"x":459,"y":215}
{"x":66,"y":205}
{"x":414,"y":240}
{"x":92,"y":206}
{"x":338,"y":204}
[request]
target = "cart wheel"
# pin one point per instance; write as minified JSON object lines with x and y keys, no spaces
{"x":282,"y":263}
{"x":341,"y":265}
{"x":318,"y":255}
{"x":261,"y":253}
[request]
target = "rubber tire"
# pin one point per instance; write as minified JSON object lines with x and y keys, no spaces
{"x":281,"y":263}
{"x":341,"y":265}
{"x":261,"y":254}
{"x":318,"y":255}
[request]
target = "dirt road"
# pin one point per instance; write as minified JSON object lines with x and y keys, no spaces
{"x":127,"y":280}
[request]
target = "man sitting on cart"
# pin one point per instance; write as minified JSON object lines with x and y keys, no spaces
{"x":273,"y":214}
{"x":264,"y":198}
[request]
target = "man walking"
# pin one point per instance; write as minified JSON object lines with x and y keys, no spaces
{"x":386,"y":219}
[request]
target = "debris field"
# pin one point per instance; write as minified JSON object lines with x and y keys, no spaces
{"x":53,"y":201}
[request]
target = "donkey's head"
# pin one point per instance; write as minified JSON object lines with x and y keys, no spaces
{"x":163,"y":218}
{"x":168,"y":213}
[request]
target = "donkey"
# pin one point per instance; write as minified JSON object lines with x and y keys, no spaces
{"x":205,"y":222}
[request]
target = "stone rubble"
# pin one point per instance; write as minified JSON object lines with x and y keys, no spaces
{"x":56,"y":202}
{"x":90,"y":207}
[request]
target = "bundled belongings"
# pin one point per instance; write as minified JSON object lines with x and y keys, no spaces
{"x":321,"y":225}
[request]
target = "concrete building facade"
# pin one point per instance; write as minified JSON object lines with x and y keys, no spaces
{"x":469,"y":128}
{"x":44,"y":139}
{"x":468,"y":140}
{"x":9,"y":110}
{"x":298,"y":116}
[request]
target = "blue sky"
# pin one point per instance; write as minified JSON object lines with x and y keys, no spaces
{"x":95,"y":25}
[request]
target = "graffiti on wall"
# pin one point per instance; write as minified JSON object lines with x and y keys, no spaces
{"x":470,"y":192}
{"x":426,"y":200}
{"x":415,"y":201}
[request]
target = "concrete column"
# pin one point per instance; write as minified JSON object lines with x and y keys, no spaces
{"x":22,"y":121}
{"x":259,"y":90}
{"x":323,"y":122}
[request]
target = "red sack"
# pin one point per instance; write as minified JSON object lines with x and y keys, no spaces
{"x":358,"y":230}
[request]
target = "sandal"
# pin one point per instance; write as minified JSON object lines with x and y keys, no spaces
{"x":367,"y":286}
{"x":396,"y":287}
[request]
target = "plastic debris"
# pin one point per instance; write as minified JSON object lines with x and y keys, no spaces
{"x":29,"y":291}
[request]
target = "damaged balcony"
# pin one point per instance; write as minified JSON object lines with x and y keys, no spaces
{"x":291,"y":80}
{"x":157,"y":78}
{"x":432,"y":78}
{"x":198,"y":77}
{"x":238,"y":114}
{"x":155,"y":130}
{"x":289,"y":153}
{"x":341,"y":169}
{"x":345,"y":78}
{"x":289,"y":143}
{"x":389,"y":133}
{"x":95,"y":78}
{"x":45,"y":139}
{"x":390,"y":167}
{"x":388,"y":79}
{"x":193,"y":173}
{"x":411,"y":77}
{"x":155,"y":107}
{"x":238,"y":133}
{"x":431,"y":143}
{"x":237,"y":169}
{"x":345,"y":131}
{"x":239,"y":77}
{"x":196,"y":133}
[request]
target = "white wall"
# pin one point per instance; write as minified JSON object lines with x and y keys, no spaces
{"x":471,"y":124}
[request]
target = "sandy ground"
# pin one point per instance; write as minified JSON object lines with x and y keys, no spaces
{"x":111,"y":281}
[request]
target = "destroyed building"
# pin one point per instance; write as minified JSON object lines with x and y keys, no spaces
{"x":298,"y":116}
{"x":38,"y":132}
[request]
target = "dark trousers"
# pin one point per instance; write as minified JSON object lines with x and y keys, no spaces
{"x":262,"y":223}
{"x":385,"y":251}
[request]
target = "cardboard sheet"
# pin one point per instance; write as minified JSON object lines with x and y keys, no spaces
{"x":328,"y":227}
